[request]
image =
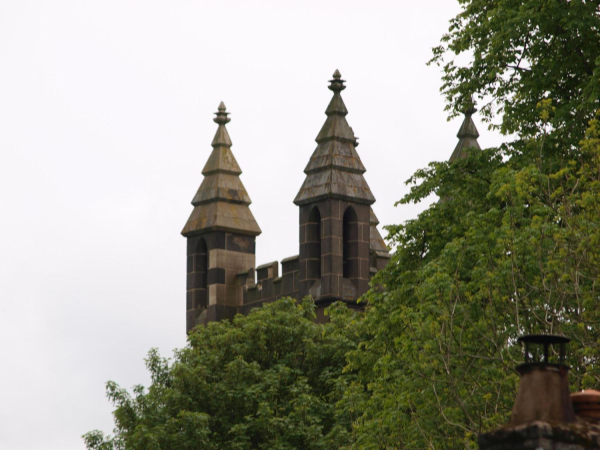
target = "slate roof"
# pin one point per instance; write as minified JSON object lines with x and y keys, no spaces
{"x":221,"y":202}
{"x":335,"y":169}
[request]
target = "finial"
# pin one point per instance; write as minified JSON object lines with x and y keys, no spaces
{"x":222,"y":118}
{"x":468,"y":107}
{"x":337,"y":84}
{"x":470,"y":111}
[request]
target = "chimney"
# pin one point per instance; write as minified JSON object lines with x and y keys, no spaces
{"x":543,"y":417}
{"x":544,"y":387}
{"x":587,"y":405}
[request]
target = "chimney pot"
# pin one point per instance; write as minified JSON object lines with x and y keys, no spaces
{"x":587,"y":404}
{"x":544,"y":386}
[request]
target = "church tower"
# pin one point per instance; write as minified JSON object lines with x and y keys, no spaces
{"x":220,"y":234}
{"x":335,"y":212}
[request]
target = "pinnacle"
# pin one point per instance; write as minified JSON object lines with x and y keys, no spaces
{"x":467,"y":134}
{"x":468,"y":128}
{"x":335,"y":169}
{"x":336,"y":105}
{"x":221,"y":202}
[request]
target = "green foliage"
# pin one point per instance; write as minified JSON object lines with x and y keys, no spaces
{"x":267,"y":380}
{"x":510,"y":248}
{"x":522,"y":52}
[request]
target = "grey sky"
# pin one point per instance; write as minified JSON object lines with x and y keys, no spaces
{"x":105,"y":125}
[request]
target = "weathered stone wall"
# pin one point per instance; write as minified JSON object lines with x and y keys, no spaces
{"x":268,"y":285}
{"x":214,"y":260}
{"x":344,"y":250}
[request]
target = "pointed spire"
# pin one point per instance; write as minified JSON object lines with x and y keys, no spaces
{"x":221,"y":138}
{"x":221,"y":159}
{"x":467,"y":128}
{"x":467,"y":134}
{"x":221,"y":201}
{"x":335,"y":169}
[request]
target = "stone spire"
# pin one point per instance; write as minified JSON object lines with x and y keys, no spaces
{"x":221,"y":202}
{"x":335,"y":169}
{"x":467,"y":135}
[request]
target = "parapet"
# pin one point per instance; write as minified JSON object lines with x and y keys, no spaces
{"x":264,"y":285}
{"x":268,"y":285}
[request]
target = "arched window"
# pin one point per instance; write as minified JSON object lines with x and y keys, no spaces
{"x":313,"y":244}
{"x":350,"y":243}
{"x":200,"y":275}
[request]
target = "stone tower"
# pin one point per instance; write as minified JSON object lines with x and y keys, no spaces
{"x":335,"y":212}
{"x":220,"y":234}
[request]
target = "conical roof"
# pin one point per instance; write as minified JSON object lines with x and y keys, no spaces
{"x":335,"y":169}
{"x":467,"y":136}
{"x":221,"y":202}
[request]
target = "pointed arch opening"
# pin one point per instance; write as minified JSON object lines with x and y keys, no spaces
{"x":350,"y":243}
{"x":313,"y":241}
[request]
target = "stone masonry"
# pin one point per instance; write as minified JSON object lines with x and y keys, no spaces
{"x":340,"y":248}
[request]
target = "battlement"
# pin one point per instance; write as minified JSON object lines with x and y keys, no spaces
{"x":264,"y":285}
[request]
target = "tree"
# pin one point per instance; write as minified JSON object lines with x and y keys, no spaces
{"x":267,"y":380}
{"x":512,"y":247}
{"x":523,"y":52}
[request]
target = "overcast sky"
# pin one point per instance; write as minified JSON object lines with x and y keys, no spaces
{"x":106,"y":114}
